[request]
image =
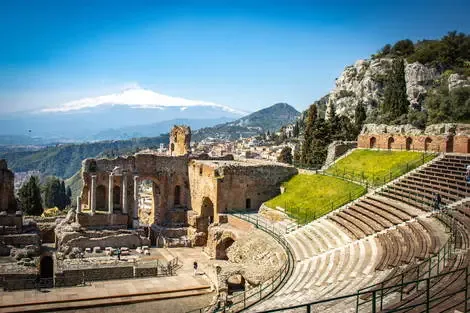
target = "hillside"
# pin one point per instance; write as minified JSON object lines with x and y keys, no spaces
{"x":268,"y":119}
{"x":430,"y":78}
{"x":65,"y":160}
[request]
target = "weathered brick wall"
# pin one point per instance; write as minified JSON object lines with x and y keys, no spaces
{"x":87,"y":220}
{"x":180,"y":138}
{"x":21,"y":240}
{"x":73,"y":277}
{"x":165,"y":172}
{"x":239,"y":185}
{"x":11,"y":220}
{"x":7,"y":196}
{"x":408,"y":142}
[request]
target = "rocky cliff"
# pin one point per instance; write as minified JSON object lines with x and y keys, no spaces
{"x":365,"y":81}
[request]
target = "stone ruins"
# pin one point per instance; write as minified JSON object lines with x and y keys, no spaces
{"x":438,"y":137}
{"x":137,"y":202}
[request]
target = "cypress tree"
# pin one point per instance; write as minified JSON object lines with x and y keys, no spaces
{"x":30,"y":197}
{"x":306,"y":156}
{"x":395,"y":99}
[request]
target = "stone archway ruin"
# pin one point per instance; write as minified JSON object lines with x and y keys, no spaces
{"x":372,"y":142}
{"x":235,"y":283}
{"x":221,"y":248}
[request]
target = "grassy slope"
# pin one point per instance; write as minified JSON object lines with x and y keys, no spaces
{"x":75,"y":184}
{"x":376,"y":163}
{"x":310,"y":196}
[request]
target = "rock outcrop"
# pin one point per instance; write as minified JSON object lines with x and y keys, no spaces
{"x":365,"y":82}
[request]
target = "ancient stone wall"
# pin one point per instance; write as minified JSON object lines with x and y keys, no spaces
{"x":21,"y":240}
{"x":180,"y":138}
{"x":7,"y":189}
{"x":437,"y":138}
{"x":218,"y":186}
{"x":97,"y":220}
{"x":168,"y":174}
{"x":337,"y":149}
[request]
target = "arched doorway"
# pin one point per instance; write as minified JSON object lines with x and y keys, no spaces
{"x":248,"y":203}
{"x":221,"y":248}
{"x":409,"y":142}
{"x":427,"y":144}
{"x":207,"y":210}
{"x":46,"y":271}
{"x":101,"y":198}
{"x":117,"y":197}
{"x":235,"y":283}
{"x":372,"y":142}
{"x":450,"y":144}
{"x":468,"y":146}
{"x":390,"y":143}
{"x":177,"y":195}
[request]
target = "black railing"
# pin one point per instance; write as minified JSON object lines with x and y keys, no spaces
{"x":372,"y":180}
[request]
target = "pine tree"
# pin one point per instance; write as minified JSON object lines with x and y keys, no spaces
{"x":395,"y":101}
{"x":30,"y":197}
{"x":68,"y":193}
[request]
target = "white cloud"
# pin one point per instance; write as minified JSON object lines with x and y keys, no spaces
{"x":137,"y":97}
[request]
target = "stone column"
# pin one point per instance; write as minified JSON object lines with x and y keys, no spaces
{"x":93,"y":195}
{"x":135,"y":212}
{"x":79,"y":205}
{"x":124,"y":194}
{"x":110,"y":193}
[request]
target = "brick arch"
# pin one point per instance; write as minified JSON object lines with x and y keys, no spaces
{"x":372,"y":142}
{"x":427,"y":143}
{"x":409,"y":143}
{"x":390,"y":142}
{"x":450,"y":143}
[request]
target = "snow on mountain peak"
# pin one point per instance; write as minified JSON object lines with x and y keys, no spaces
{"x":137,"y":98}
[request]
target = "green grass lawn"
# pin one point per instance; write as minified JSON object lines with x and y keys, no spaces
{"x":307,"y":197}
{"x":377,"y":166}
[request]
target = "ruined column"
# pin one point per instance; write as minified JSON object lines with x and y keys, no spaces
{"x":124,"y":194}
{"x":93,"y":195}
{"x":135,"y":212}
{"x":79,"y":205}
{"x":110,"y":193}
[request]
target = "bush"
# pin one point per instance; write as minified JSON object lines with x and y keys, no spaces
{"x":51,"y":212}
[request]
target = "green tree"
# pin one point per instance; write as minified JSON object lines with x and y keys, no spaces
{"x":403,"y":48}
{"x":55,"y":194}
{"x":307,"y":148}
{"x":285,"y":156}
{"x":30,"y":197}
{"x":395,"y":102}
{"x":359,"y":115}
{"x":296,"y":130}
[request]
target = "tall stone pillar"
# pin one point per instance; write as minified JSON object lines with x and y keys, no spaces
{"x":93,"y":195}
{"x":110,"y":193}
{"x":124,"y":194}
{"x":135,"y":212}
{"x":79,"y":205}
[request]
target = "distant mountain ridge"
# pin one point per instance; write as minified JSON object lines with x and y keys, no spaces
{"x":82,"y":119}
{"x":268,"y":119}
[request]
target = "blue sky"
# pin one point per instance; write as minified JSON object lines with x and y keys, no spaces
{"x":244,"y":54}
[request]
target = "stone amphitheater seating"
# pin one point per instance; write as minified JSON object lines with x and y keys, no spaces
{"x":377,"y":237}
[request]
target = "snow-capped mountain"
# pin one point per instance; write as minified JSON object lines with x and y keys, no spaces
{"x":83,"y":118}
